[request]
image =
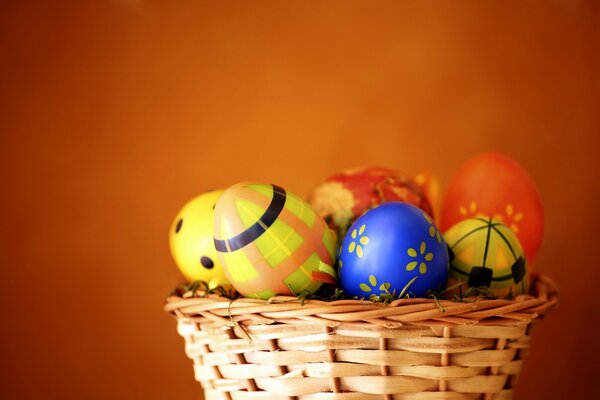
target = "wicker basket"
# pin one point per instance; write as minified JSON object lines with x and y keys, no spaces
{"x":351,"y":349}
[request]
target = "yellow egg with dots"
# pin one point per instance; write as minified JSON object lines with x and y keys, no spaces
{"x":192,"y":244}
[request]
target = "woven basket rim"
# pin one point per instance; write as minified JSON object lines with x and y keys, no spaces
{"x":415,"y":311}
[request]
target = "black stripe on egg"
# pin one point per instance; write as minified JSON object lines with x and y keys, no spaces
{"x":487,"y":241}
{"x":259,"y":227}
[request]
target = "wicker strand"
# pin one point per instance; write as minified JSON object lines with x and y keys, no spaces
{"x":331,"y":359}
{"x":216,"y":372}
{"x":385,"y":369}
{"x":282,"y":369}
{"x":444,"y":359}
{"x":240,"y":360}
{"x":500,"y":344}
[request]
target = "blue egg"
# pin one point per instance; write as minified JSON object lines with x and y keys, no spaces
{"x":387,"y":247}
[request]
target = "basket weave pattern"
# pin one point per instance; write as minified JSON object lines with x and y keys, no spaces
{"x":352,"y":349}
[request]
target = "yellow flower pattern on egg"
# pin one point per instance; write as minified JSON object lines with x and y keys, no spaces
{"x":468,"y":211}
{"x":421,"y":258}
{"x":511,"y":219}
{"x":359,"y":239}
{"x":373,"y":285}
{"x":433,"y":232}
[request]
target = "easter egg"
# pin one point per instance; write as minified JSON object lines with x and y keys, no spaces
{"x":271,"y":242}
{"x":389,"y":246}
{"x":495,"y":185}
{"x":430,"y":186}
{"x":191,"y":241}
{"x":344,"y":197}
{"x":485,"y":252}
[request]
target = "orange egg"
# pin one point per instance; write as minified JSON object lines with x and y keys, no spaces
{"x":495,"y":185}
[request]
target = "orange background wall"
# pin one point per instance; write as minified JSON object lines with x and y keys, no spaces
{"x":113,"y":115}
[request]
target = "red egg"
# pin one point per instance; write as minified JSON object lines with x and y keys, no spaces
{"x":344,"y":197}
{"x":495,"y":185}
